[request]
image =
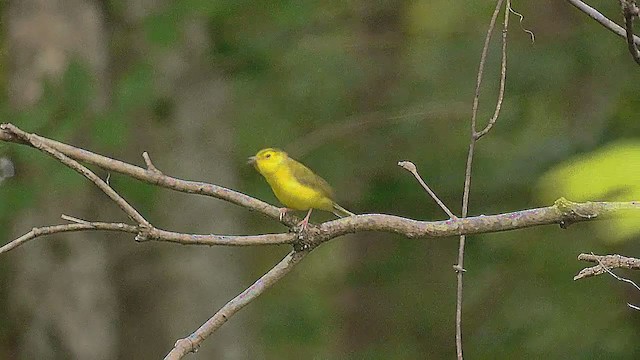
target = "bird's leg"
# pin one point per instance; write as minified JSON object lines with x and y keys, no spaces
{"x":305,"y":221}
{"x":283,"y":211}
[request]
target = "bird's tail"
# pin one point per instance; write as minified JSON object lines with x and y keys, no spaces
{"x":339,"y":211}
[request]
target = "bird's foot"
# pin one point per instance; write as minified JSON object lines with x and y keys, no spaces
{"x":304,"y":224}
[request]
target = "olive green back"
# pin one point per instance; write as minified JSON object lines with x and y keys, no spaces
{"x":306,"y":177}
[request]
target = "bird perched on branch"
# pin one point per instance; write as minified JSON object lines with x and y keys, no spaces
{"x":295,"y":185}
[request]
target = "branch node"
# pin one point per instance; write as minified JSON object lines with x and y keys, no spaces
{"x":573,"y":212}
{"x":144,"y":233}
{"x":149,"y":163}
{"x":459,"y":269}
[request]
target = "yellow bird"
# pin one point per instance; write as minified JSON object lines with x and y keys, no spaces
{"x":295,"y":185}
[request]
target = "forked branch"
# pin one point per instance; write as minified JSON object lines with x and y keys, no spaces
{"x":563,"y":213}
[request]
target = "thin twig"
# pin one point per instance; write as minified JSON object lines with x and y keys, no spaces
{"x":48,"y":230}
{"x":459,"y":267}
{"x":602,"y":20}
{"x":152,"y":233}
{"x":620,"y":278}
{"x":634,"y":307}
{"x":191,"y":343}
{"x":74,"y":219}
{"x":503,"y":77}
{"x":529,"y":32}
{"x":411,"y":167}
{"x":35,"y":140}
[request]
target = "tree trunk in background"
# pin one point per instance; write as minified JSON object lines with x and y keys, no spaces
{"x":88,"y":295}
{"x":61,"y":301}
{"x":194,"y":142}
{"x":364,"y":315}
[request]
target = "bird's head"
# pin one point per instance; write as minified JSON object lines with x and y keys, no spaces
{"x":268,"y":160}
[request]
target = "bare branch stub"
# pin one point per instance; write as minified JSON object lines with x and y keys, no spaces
{"x":411,"y":167}
{"x":149,"y":163}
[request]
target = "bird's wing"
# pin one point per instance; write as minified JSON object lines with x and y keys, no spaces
{"x":306,"y":177}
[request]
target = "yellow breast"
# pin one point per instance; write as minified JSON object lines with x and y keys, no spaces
{"x":295,"y":195}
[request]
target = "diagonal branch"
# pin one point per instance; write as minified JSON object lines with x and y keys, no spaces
{"x":155,"y":177}
{"x":602,"y":20}
{"x":411,"y":167}
{"x":36,"y":141}
{"x":191,"y":343}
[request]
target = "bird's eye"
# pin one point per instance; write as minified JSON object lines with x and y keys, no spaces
{"x":268,"y":155}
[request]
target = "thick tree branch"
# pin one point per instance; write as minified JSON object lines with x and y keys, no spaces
{"x":563,"y":212}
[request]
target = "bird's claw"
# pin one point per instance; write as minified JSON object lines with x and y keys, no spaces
{"x":303,"y":226}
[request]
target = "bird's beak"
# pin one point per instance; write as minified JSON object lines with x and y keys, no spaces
{"x":251,"y":160}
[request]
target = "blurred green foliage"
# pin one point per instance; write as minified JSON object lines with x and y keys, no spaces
{"x":402,"y":74}
{"x":611,"y":172}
